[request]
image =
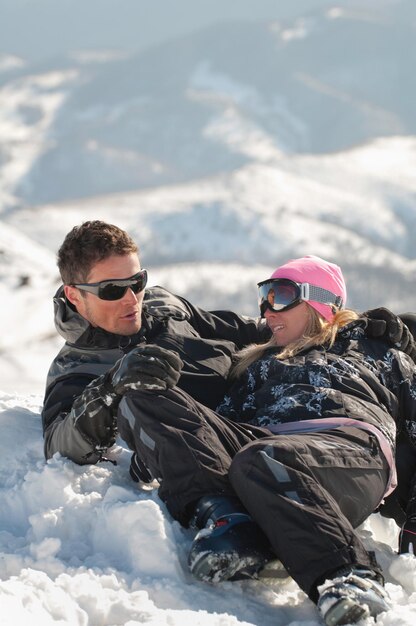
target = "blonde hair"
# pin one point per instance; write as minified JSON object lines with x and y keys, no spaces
{"x":318,"y":332}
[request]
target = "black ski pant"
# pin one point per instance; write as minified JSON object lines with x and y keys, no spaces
{"x":307,"y":491}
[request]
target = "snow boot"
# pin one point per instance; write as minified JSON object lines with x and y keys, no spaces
{"x":354,"y":594}
{"x":229,"y":546}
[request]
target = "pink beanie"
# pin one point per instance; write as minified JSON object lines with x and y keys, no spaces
{"x":317,"y":272}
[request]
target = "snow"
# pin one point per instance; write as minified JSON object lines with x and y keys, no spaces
{"x":222,"y":165}
{"x":84,"y":545}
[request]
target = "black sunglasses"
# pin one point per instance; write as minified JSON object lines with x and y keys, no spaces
{"x":115,"y":288}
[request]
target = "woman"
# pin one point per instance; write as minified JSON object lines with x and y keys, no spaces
{"x":298,"y":454}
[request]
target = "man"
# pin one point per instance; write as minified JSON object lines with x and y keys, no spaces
{"x":104,"y":313}
{"x":120,"y":337}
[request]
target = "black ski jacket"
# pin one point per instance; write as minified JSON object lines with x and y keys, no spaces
{"x":205,"y":341}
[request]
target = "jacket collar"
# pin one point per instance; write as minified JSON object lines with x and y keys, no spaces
{"x":77,"y":331}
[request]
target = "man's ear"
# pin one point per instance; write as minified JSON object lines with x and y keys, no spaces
{"x":72,"y":294}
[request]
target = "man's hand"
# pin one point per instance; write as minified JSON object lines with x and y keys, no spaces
{"x":383,"y":324}
{"x":95,"y":411}
{"x":407,"y":538}
{"x":145,"y":368}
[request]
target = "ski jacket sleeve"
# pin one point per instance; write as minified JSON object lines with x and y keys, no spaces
{"x":79,"y":419}
{"x":227,"y":325}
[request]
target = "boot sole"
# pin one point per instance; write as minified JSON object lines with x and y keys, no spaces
{"x":217,"y":568}
{"x":273,"y":571}
{"x":345,"y":611}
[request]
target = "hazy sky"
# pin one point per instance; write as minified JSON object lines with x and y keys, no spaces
{"x":39,"y":29}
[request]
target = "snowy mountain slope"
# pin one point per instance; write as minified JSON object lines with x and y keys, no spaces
{"x":341,"y":206}
{"x":28,"y":280}
{"x":28,"y":106}
{"x":132,"y":25}
{"x":184,"y":109}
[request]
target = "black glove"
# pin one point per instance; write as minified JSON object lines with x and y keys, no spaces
{"x":146,"y":368}
{"x":407,"y":537}
{"x":138,"y":470}
{"x":383,"y":324}
{"x":94,"y":412}
{"x":94,"y":415}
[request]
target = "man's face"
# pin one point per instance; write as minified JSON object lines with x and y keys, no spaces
{"x":123,"y":316}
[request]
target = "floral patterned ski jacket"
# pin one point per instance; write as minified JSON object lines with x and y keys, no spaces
{"x":359,"y":378}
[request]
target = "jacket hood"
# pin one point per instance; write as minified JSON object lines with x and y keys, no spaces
{"x":68,"y":322}
{"x":77,"y":331}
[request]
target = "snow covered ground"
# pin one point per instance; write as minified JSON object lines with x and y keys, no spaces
{"x":84,"y":546}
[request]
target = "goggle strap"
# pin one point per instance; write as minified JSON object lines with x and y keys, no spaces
{"x":319,"y":294}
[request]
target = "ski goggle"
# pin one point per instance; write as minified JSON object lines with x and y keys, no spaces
{"x":115,"y":288}
{"x":281,"y":294}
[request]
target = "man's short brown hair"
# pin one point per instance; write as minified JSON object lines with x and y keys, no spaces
{"x":86,"y":245}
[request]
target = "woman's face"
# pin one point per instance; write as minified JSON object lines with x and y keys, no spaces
{"x":288,"y":326}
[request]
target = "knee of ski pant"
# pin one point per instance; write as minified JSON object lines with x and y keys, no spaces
{"x":141,"y":412}
{"x":153,"y":403}
{"x":135,"y":403}
{"x":247,"y":459}
{"x":132,"y":407}
{"x":125,"y":420}
{"x":276,"y":455}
